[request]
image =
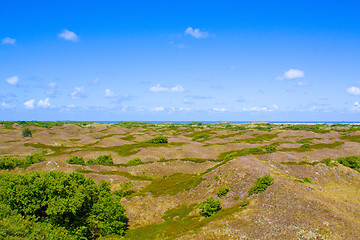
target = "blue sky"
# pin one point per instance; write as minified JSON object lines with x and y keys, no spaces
{"x":180,"y":60}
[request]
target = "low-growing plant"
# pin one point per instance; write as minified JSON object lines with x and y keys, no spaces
{"x":351,"y":162}
{"x":26,"y":132}
{"x":230,"y":156}
{"x":270,"y":149}
{"x":124,"y":190}
{"x":244,"y":203}
{"x":201,"y":135}
{"x":101,"y":160}
{"x":157,"y":140}
{"x":307,"y":180}
{"x":35,"y":158}
{"x":134,"y":162}
{"x":209,"y":207}
{"x":261,"y":184}
{"x":75,"y":160}
{"x":223,"y":191}
{"x":305,"y":146}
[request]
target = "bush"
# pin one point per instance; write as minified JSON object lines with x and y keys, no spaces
{"x":101,"y":160}
{"x":63,"y":201}
{"x":201,"y":135}
{"x":230,"y":156}
{"x":26,"y":132}
{"x":76,"y":160}
{"x":35,"y":158}
{"x":209,"y":207}
{"x":351,"y":162}
{"x":305,"y":146}
{"x":244,"y":203}
{"x":261,"y":184}
{"x":157,"y":140}
{"x":270,"y":149}
{"x":134,"y":162}
{"x":223,"y":191}
{"x":10,"y":163}
{"x":307,"y":180}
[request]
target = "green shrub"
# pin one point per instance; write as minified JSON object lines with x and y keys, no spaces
{"x":351,"y":162}
{"x":124,"y":190}
{"x":230,"y":156}
{"x":305,"y":146}
{"x":307,"y":180}
{"x":76,"y":160}
{"x":261,"y":184}
{"x":26,"y":132}
{"x":244,"y":203}
{"x":209,"y":207}
{"x":270,"y":149}
{"x":35,"y":158}
{"x":134,"y":162}
{"x":157,"y":140}
{"x":10,"y":163}
{"x":223,"y":191}
{"x":101,"y":160}
{"x":199,"y":136}
{"x":67,"y":202}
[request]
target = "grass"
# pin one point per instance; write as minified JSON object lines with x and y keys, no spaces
{"x":173,"y":184}
{"x":327,"y":161}
{"x":312,"y":146}
{"x":354,"y":138}
{"x":119,"y":173}
{"x":174,"y":227}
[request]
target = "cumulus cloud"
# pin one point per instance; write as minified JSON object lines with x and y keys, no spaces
{"x":68,"y":35}
{"x":8,"y":40}
{"x":353,"y":90}
{"x":356,"y":106}
{"x":157,"y":109}
{"x":30,"y":104}
{"x":51,"y":89}
{"x":302,"y":84}
{"x":291,"y":74}
{"x":159,"y":88}
{"x":7,"y":105}
{"x":109,"y":93}
{"x":12,"y":80}
{"x":78,"y":93}
{"x":196,"y":33}
{"x":219,"y":109}
{"x":44,"y":103}
{"x":259,"y":109}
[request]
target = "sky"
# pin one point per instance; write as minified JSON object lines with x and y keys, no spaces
{"x":180,"y":60}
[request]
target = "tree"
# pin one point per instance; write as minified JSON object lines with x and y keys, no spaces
{"x":209,"y":207}
{"x":26,"y":132}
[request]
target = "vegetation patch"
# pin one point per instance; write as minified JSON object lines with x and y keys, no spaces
{"x":66,"y":204}
{"x":76,"y":160}
{"x":173,"y":184}
{"x":261,"y":185}
{"x":353,"y":138}
{"x":119,"y":173}
{"x":223,"y":191}
{"x":351,"y":162}
{"x":157,"y":140}
{"x":134,"y":162}
{"x":101,"y":160}
{"x":209,"y":207}
{"x":202,"y":136}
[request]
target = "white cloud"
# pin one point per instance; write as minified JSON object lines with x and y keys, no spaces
{"x":257,"y":109}
{"x":51,"y":89}
{"x":29,"y":104}
{"x":219,"y":109}
{"x":353,"y":90}
{"x":68,"y":35}
{"x":109,"y":93}
{"x":356,"y":107}
{"x":184,"y":109}
{"x":157,"y":109}
{"x":302,"y":84}
{"x":8,"y":40}
{"x":78,"y":93}
{"x":7,"y":105}
{"x":68,"y":108}
{"x":159,"y":88}
{"x":276,"y":107}
{"x":44,"y":103}
{"x":12,"y":80}
{"x":196,"y":33}
{"x":291,"y":74}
